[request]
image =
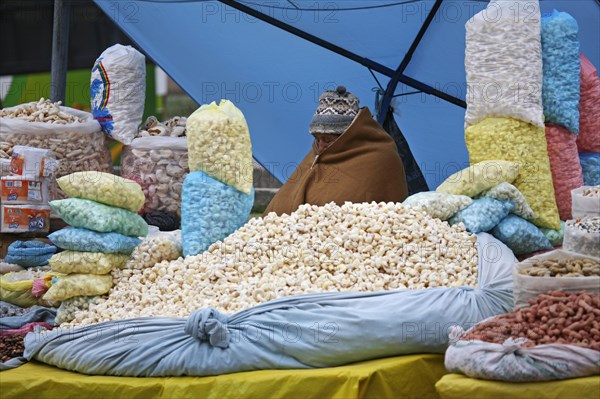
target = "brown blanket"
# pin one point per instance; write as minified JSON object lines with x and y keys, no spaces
{"x":362,"y":165}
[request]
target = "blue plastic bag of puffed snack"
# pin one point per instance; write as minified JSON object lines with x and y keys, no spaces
{"x":520,"y":235}
{"x":210,"y":211}
{"x":483,"y":214}
{"x":555,"y":236}
{"x":590,"y":168}
{"x":561,"y":64}
{"x":84,"y":240}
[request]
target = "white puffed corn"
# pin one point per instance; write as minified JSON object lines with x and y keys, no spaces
{"x":383,"y":246}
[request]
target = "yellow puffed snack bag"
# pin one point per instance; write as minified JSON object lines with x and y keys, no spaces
{"x":219,"y":144}
{"x":73,"y":285}
{"x":479,"y":177}
{"x":104,"y":188}
{"x":86,"y":262}
{"x":514,"y":140}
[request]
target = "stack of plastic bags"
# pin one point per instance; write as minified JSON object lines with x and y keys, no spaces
{"x":217,"y":195}
{"x":504,"y":118}
{"x":483,"y":199}
{"x":105,"y":231}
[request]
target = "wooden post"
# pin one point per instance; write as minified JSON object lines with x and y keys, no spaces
{"x":60,"y":49}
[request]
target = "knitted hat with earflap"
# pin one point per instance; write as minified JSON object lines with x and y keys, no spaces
{"x":336,"y":111}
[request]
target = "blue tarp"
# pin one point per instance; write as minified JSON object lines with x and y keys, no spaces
{"x":213,"y":51}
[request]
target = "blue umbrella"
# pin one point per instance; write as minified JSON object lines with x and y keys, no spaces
{"x":273,"y":58}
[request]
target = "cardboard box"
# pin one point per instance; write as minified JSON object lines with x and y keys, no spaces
{"x":19,"y":189}
{"x":24,"y":218}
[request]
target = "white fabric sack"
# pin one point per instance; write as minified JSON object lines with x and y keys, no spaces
{"x":10,"y":126}
{"x":584,"y":206}
{"x":530,"y":287}
{"x":503,"y":62}
{"x":118,"y":91}
{"x":511,"y":362}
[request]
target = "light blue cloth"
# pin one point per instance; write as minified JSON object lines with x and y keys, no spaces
{"x":210,"y":211}
{"x":561,"y":64}
{"x":318,"y":330}
{"x":78,"y":239}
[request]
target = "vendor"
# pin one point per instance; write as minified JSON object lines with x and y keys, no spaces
{"x":352,"y":159}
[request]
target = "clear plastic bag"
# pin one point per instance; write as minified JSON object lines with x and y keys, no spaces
{"x":99,"y":217}
{"x":560,"y":56}
{"x":159,"y":165}
{"x":15,"y":288}
{"x":503,"y":62}
{"x":69,"y":262}
{"x":582,"y":236}
{"x":74,"y":285}
{"x":585,"y":205}
{"x":219,"y":145}
{"x":530,"y":287}
{"x":520,"y":235}
{"x":479,"y":177}
{"x":507,"y":192}
{"x":210,"y":211}
{"x":156,"y":248}
{"x":438,"y":205}
{"x":105,"y":188}
{"x":118,"y":91}
{"x":482,"y":215}
{"x":77,"y":239}
{"x":517,"y":141}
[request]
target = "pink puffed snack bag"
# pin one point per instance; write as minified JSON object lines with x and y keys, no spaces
{"x":566,"y":170}
{"x":589,"y":108}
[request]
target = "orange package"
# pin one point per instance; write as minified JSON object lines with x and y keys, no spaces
{"x":25,"y":218}
{"x":17,"y":189}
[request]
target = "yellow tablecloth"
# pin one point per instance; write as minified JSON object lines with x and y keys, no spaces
{"x":412,"y":376}
{"x":458,"y":386}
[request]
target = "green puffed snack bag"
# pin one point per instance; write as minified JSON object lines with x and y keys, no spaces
{"x":99,"y":217}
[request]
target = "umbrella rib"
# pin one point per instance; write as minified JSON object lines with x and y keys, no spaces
{"x":375,"y":66}
{"x":399,"y":76}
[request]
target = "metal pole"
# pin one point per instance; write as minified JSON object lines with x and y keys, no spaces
{"x":60,"y":49}
{"x":386,"y":101}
